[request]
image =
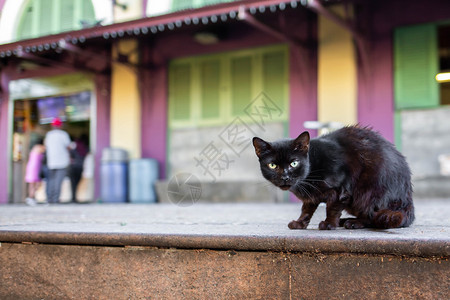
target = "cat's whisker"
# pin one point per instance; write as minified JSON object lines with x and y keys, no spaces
{"x":306,"y":190}
{"x":318,"y":177}
{"x":310,"y":185}
{"x":315,"y":181}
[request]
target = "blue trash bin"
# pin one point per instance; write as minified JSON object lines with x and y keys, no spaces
{"x":143,"y":173}
{"x":114,"y":175}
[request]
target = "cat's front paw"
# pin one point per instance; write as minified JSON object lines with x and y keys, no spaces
{"x":353,"y":224}
{"x":324,"y":225}
{"x":298,"y":224}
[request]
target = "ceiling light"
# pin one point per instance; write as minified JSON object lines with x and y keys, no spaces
{"x":206,"y":38}
{"x":443,"y":77}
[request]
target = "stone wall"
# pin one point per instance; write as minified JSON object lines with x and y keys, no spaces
{"x":232,"y":156}
{"x":425,"y":135}
{"x":224,"y":161}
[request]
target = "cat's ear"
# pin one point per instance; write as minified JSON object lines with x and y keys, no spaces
{"x":261,"y":146}
{"x":301,"y":143}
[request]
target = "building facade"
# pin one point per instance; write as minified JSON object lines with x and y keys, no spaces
{"x":190,"y":82}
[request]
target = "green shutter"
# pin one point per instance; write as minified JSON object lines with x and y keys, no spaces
{"x":181,"y":4}
{"x":416,"y":64}
{"x":180,"y":92}
{"x":25,"y":28}
{"x":44,"y":17}
{"x":210,"y":89}
{"x":87,"y":11}
{"x":45,"y":22}
{"x":274,"y":77}
{"x":67,"y":15}
{"x":241,"y":84}
{"x":212,"y":2}
{"x":186,"y":4}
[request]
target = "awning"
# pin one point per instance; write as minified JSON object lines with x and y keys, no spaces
{"x":148,"y":26}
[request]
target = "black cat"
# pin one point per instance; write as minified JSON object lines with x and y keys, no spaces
{"x":352,"y":169}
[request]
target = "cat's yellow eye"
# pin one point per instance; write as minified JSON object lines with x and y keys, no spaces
{"x":294,"y":164}
{"x":272,"y":165}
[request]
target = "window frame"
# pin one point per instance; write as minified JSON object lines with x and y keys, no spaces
{"x":225,"y":85}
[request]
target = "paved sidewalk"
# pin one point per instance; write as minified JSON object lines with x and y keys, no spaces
{"x":260,"y":227}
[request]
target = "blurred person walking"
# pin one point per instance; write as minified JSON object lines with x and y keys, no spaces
{"x":57,"y":144}
{"x":33,"y":170}
{"x":78,"y":151}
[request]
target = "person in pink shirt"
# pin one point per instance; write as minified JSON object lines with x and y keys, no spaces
{"x":32,"y":174}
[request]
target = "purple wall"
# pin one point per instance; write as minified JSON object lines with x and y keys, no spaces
{"x":4,"y":121}
{"x":303,"y":90}
{"x":303,"y":74}
{"x":4,"y":100}
{"x":103,"y":126}
{"x":2,"y":3}
{"x":375,"y":93}
{"x":154,"y":110}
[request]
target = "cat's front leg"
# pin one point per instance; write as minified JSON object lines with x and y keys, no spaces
{"x":334,"y":212}
{"x":335,"y":206}
{"x":308,"y":210}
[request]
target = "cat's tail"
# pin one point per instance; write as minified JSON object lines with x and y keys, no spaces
{"x":387,"y":218}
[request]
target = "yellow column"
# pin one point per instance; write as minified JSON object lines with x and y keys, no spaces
{"x":125,"y":102}
{"x":337,"y":82}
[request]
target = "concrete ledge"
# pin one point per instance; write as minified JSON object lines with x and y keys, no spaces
{"x":37,"y":271}
{"x":302,"y":243}
{"x":220,"y":251}
{"x":243,"y":227}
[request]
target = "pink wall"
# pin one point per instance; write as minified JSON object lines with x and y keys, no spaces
{"x":303,"y":74}
{"x":4,"y":159}
{"x":2,"y":3}
{"x":103,"y":125}
{"x":153,"y":86}
{"x":303,"y":90}
{"x":375,"y":93}
{"x":4,"y":99}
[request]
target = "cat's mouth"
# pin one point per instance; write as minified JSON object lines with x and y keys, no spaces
{"x":285,"y":187}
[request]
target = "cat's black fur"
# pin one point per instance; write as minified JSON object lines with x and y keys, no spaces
{"x":352,"y":169}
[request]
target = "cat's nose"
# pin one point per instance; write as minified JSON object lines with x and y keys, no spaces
{"x":285,"y":178}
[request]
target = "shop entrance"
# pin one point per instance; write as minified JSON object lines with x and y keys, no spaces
{"x":31,"y":120}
